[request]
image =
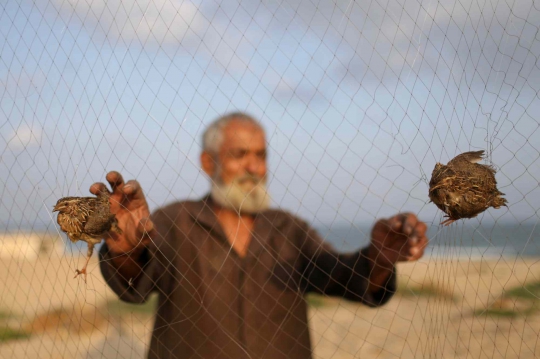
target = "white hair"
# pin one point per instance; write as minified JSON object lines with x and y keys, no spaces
{"x":212,"y":138}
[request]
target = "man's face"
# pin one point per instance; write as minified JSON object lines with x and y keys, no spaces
{"x":238,"y":170}
{"x":242,"y":154}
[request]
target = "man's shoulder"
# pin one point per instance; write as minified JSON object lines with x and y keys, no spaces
{"x":180,"y":208}
{"x":284,"y":218}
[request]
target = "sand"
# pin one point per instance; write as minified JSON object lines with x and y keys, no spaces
{"x":445,"y":308}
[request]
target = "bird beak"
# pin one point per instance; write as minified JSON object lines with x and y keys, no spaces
{"x":58,"y":207}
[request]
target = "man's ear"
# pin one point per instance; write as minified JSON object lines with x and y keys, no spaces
{"x":208,"y":164}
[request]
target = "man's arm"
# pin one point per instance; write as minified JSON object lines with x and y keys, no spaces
{"x":347,"y":275}
{"x":369,"y":275}
{"x":134,"y":275}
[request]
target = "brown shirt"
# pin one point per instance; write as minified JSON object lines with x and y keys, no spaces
{"x":215,"y":304}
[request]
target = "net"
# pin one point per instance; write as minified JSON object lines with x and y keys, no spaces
{"x":359,"y":101}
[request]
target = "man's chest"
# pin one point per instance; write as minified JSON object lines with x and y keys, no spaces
{"x":238,"y":236}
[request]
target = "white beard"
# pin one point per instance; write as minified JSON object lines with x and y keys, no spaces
{"x":241,"y":195}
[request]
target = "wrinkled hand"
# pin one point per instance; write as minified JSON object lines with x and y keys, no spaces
{"x":132,"y":213}
{"x":396,"y":239}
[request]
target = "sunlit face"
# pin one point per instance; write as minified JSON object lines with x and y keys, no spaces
{"x":239,"y":169}
{"x":242,"y":152}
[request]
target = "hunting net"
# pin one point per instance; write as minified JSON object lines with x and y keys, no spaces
{"x":359,"y":100}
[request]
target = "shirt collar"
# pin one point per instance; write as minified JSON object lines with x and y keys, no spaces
{"x":265,"y":222}
{"x":202,"y":212}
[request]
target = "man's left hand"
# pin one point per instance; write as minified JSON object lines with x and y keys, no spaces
{"x":399,"y":238}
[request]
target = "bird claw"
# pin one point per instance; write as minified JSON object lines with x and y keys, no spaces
{"x":448,"y":222}
{"x":82,"y":271}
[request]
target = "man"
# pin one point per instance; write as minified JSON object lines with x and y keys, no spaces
{"x":230,"y":273}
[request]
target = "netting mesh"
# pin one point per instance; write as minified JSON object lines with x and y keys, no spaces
{"x":359,"y":100}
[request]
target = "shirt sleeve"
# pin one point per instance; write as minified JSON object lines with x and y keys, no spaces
{"x":346,"y":275}
{"x":152,"y":261}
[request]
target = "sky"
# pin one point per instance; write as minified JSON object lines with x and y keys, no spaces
{"x":359,"y":100}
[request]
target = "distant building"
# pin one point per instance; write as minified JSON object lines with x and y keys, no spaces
{"x":29,"y":245}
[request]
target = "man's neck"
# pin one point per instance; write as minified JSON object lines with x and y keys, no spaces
{"x":237,"y":228}
{"x":231,"y":216}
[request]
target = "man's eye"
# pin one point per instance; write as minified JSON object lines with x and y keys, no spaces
{"x":237,"y":154}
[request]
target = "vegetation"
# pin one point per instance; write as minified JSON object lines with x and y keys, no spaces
{"x":315,"y":300}
{"x":118,"y":307}
{"x":427,"y":290}
{"x":7,"y":334}
{"x":519,"y":301}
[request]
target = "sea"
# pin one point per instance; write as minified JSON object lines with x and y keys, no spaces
{"x":459,"y":240}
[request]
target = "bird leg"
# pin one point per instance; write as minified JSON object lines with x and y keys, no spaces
{"x":89,"y":255}
{"x":448,"y":221}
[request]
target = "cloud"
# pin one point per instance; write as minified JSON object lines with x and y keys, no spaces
{"x":20,"y":83}
{"x":147,"y":21}
{"x":24,"y":136}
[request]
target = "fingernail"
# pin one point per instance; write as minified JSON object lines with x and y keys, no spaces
{"x":413,"y":239}
{"x":408,"y":229}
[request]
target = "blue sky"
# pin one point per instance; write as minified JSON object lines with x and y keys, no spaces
{"x":359,"y":100}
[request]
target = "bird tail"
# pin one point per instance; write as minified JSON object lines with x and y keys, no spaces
{"x":499,"y":201}
{"x":472,"y":157}
{"x":115,"y":228}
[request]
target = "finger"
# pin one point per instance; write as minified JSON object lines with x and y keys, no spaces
{"x":417,"y":254}
{"x":417,"y":251}
{"x":382,"y":225}
{"x":98,"y":188}
{"x":423,"y":242}
{"x":133,"y":189}
{"x":409,"y":223}
{"x":395,"y":223}
{"x":115,"y":180}
{"x":420,"y":229}
{"x":401,"y":221}
{"x":418,"y":232}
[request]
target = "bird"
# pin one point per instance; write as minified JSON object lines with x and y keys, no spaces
{"x":86,"y":219}
{"x":464,"y":188}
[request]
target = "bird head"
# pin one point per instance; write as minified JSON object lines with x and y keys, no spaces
{"x":437,"y":170}
{"x":63,"y":205}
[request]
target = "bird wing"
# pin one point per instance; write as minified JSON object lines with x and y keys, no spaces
{"x":74,"y":223}
{"x":101,"y":219}
{"x":440,"y":173}
{"x":471,"y":157}
{"x":71,"y":225}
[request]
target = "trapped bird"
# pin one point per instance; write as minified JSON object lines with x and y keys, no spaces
{"x":86,"y":219}
{"x":464,"y":188}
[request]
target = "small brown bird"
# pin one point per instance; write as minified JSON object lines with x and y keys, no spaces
{"x":464,"y":188}
{"x":86,"y":219}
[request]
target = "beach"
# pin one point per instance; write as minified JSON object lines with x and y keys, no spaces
{"x":445,"y":308}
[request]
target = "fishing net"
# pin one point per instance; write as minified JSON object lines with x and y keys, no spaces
{"x":359,"y":101}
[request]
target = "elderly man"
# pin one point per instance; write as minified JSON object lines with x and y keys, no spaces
{"x":230,"y":273}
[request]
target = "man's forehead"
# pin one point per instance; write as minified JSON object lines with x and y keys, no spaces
{"x":243,"y":134}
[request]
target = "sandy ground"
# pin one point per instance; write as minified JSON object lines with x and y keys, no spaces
{"x":442,"y":310}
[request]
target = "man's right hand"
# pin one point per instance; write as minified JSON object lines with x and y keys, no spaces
{"x":132,"y":213}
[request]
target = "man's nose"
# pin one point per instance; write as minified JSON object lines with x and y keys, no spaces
{"x":253,"y":165}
